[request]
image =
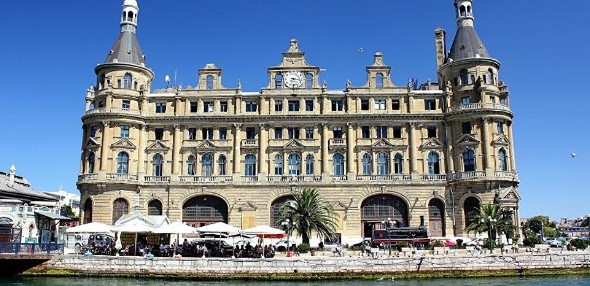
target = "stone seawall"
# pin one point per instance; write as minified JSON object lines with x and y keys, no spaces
{"x":314,"y":267}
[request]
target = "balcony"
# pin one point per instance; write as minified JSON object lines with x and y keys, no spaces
{"x":469,"y":175}
{"x":434,"y":178}
{"x":249,"y":143}
{"x":338,"y":178}
{"x":123,"y":111}
{"x":124,"y":178}
{"x":477,"y":106}
{"x":382,"y":178}
{"x":156,"y":179}
{"x":205,"y":179}
{"x":337,"y":142}
{"x":87,"y":178}
{"x":249,"y":178}
{"x":507,"y":175}
{"x":288,"y":178}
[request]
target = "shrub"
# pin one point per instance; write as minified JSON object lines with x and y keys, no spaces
{"x":436,"y":243}
{"x":579,"y":243}
{"x":531,"y":241}
{"x":303,"y":248}
{"x":487,"y":241}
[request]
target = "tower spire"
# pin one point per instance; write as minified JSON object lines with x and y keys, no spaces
{"x":464,"y":13}
{"x":466,"y":44}
{"x":129,"y":16}
{"x":126,"y":48}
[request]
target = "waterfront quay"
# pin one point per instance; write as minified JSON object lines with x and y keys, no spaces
{"x":323,"y":266}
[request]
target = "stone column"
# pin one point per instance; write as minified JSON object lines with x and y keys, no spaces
{"x":141,"y":152}
{"x":325,"y":142}
{"x":262,"y":146}
{"x":104,"y":145}
{"x":177,"y":106}
{"x":107,"y":101}
{"x":511,"y":140}
{"x":237,"y":152}
{"x":350,"y":138}
{"x":486,"y":146}
{"x":448,"y":156}
{"x":83,"y":153}
{"x":176,"y":149}
{"x":413,"y":159}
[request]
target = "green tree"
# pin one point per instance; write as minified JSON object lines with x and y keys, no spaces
{"x":309,"y":212}
{"x":479,"y":221}
{"x":533,"y":227}
{"x":68,"y":211}
{"x":585,"y":222}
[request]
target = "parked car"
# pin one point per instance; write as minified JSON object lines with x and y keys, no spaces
{"x":100,"y":240}
{"x":283,"y":243}
{"x":477,"y":241}
{"x":553,"y":242}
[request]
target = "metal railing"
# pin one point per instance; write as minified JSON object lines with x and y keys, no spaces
{"x":31,"y":248}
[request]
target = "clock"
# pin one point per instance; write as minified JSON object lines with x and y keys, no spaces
{"x":293,"y":79}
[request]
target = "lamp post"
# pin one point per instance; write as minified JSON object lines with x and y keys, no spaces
{"x":490,"y":222}
{"x":288,"y":224}
{"x":388,"y":226}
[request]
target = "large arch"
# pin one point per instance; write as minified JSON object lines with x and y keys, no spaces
{"x":120,"y":208}
{"x":275,"y":207}
{"x":436,"y":217}
{"x":378,"y":208}
{"x":470,"y":206}
{"x":155,"y":207}
{"x":87,"y":211}
{"x":203,"y":210}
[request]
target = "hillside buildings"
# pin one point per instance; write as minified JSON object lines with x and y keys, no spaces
{"x":426,"y":155}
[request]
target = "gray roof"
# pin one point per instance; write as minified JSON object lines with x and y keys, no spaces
{"x":20,"y":189}
{"x":467,"y":45}
{"x":126,"y":50}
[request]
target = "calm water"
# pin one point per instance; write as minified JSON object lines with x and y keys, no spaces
{"x":534,"y":281}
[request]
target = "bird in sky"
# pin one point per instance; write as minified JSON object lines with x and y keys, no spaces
{"x":361,"y":50}
{"x":573,"y":155}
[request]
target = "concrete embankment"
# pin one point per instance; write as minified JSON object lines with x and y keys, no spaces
{"x":320,"y":267}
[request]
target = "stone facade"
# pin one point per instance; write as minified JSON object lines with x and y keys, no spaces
{"x":420,"y":155}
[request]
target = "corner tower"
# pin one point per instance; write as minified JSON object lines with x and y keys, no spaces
{"x":481,"y":163}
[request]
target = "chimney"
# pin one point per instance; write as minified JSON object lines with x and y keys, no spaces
{"x":11,"y":176}
{"x":441,"y":46}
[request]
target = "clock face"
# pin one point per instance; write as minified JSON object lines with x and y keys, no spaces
{"x":293,"y":79}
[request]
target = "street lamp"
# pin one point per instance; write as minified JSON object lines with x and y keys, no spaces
{"x":389,"y":224}
{"x":288,"y":224}
{"x":490,"y":222}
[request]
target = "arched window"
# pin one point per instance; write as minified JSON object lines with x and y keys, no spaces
{"x":470,"y":208}
{"x":250,"y":163}
{"x":398,"y":162}
{"x":294,"y":164}
{"x":158,"y":165}
{"x":462,"y":11}
{"x":222,"y":165}
{"x":468,"y":10}
{"x":490,"y":76}
{"x":120,"y":208}
{"x":308,"y":80}
{"x":130,"y":16}
{"x":338,"y":162}
{"x":190,"y":165}
{"x":367,"y":170}
{"x":278,"y":81}
{"x":502,"y":162}
{"x":155,"y":207}
{"x":123,"y":163}
{"x":207,"y":165}
{"x":382,"y":164}
{"x":469,"y":161}
{"x":91,"y":159}
{"x":379,"y":80}
{"x":209,"y":82}
{"x":278,"y":165}
{"x":127,"y":81}
{"x":309,"y":164}
{"x":463,"y":76}
{"x":88,"y":211}
{"x":433,"y":163}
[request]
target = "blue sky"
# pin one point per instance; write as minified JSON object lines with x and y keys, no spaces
{"x":50,"y":48}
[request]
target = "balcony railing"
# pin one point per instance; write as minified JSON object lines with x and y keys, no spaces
{"x":309,"y":178}
{"x":436,"y":177}
{"x":337,"y":142}
{"x":113,"y":110}
{"x":506,"y":174}
{"x":121,"y":178}
{"x":249,"y":143}
{"x":339,"y":178}
{"x":473,"y":106}
{"x":469,"y":175}
{"x":195,"y":179}
{"x":397,"y":177}
{"x":87,"y":177}
{"x":156,"y":179}
{"x":249,"y":178}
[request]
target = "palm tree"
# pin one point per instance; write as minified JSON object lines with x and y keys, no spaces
{"x":480,"y":221}
{"x":308,"y":212}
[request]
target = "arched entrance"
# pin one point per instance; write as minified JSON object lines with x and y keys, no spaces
{"x":436,"y":220}
{"x":120,"y":208}
{"x":87,"y":211}
{"x":378,"y":208}
{"x":275,"y":208}
{"x":470,"y":207}
{"x":203,"y":210}
{"x":155,"y":207}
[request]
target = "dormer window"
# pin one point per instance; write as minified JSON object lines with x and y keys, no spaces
{"x":209,"y":82}
{"x":278,"y":81}
{"x":379,"y":80}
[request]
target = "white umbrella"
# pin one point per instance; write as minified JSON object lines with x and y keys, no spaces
{"x":90,"y":227}
{"x":264,"y":231}
{"x":177,"y":228}
{"x":134,"y":227}
{"x":219,"y":227}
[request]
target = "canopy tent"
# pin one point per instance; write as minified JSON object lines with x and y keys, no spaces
{"x":265,"y":231}
{"x":136,"y":227}
{"x":96,"y":227}
{"x":218,"y":227}
{"x":176,"y":228}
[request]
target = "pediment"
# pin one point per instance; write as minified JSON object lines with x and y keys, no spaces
{"x":293,"y":144}
{"x":124,"y":143}
{"x":501,"y":140}
{"x":248,"y":206}
{"x":467,"y":139}
{"x":508,"y":195}
{"x":158,"y":146}
{"x":91,"y":144}
{"x":382,"y":143}
{"x":206,"y":144}
{"x":432,"y":143}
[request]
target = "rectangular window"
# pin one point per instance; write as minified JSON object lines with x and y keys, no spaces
{"x":308,"y":132}
{"x":431,"y":131}
{"x":309,"y":105}
{"x":223,"y":106}
{"x":207,"y":133}
{"x":278,"y":133}
{"x":293,"y":105}
{"x":192,"y":134}
{"x":126,"y":105}
{"x":337,"y":105}
{"x":381,"y":131}
{"x":364,"y":104}
{"x":93,"y":130}
{"x":250,"y":133}
{"x":365,"y":132}
{"x":293,"y":132}
{"x":125,"y":131}
{"x":279,"y":105}
{"x":193,"y":106}
{"x":100,"y":104}
{"x":118,"y":83}
{"x":379,"y":104}
{"x":395,"y":104}
{"x":397,"y":132}
{"x":465,"y":100}
{"x":159,"y":133}
{"x":430,"y":104}
{"x":492,"y":99}
{"x":502,"y":101}
{"x":160,"y":107}
{"x":500,"y":127}
{"x":222,"y":133}
{"x":208,"y":106}
{"x":337,"y":131}
{"x":466,"y":128}
{"x":251,"y":106}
